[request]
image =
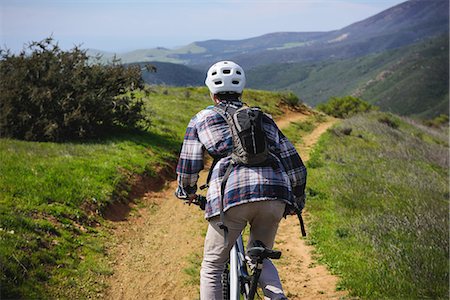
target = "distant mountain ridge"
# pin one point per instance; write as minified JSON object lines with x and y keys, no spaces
{"x":401,"y":25}
{"x":318,"y":65}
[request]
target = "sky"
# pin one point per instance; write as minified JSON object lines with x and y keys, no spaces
{"x":120,"y":25}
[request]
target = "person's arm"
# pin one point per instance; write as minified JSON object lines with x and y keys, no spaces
{"x":190,"y":162}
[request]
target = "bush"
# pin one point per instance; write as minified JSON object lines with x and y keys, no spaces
{"x":389,"y":121}
{"x":290,"y":99}
{"x":437,"y":122}
{"x":341,"y":131}
{"x":51,"y":95}
{"x":345,"y":107}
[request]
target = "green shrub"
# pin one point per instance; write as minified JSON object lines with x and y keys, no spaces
{"x":290,"y":99}
{"x":438,"y":121}
{"x":389,"y":121}
{"x":48,"y":94}
{"x":345,"y":107}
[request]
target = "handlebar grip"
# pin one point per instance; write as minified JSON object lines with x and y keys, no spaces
{"x":201,"y":201}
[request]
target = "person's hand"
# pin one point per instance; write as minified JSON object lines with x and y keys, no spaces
{"x":191,"y":197}
{"x":291,"y":211}
{"x":295,"y":207}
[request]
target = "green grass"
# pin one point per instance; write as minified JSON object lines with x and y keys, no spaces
{"x":193,"y":270}
{"x":53,"y":239}
{"x":378,"y":197}
{"x":172,"y":108}
{"x":51,"y":196}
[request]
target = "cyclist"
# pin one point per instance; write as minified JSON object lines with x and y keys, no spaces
{"x":254,"y":195}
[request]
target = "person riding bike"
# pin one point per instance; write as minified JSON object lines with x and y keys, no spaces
{"x":257,"y":195}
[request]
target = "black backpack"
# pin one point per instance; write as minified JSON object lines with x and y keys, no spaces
{"x":250,"y":146}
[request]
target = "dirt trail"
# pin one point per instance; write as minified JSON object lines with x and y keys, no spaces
{"x":301,"y":276}
{"x":160,"y":244}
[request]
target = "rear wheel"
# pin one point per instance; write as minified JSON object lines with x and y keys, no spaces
{"x":226,"y":283}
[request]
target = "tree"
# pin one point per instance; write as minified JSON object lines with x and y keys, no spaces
{"x":47,"y":94}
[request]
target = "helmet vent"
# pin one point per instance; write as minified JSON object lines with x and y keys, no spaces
{"x":238,"y":72}
{"x":218,"y":82}
{"x":235,"y":82}
{"x":226,"y":71}
{"x":214,"y":73}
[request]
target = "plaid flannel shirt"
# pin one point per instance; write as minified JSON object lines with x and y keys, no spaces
{"x":209,"y":131}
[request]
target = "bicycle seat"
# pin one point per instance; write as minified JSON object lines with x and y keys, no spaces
{"x":259,"y":252}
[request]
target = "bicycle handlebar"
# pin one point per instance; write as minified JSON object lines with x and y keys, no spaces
{"x":198,"y":200}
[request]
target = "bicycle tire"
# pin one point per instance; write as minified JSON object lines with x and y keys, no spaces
{"x":226,"y":283}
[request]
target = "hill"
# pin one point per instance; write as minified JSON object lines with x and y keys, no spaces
{"x":396,"y":59}
{"x":401,"y":25}
{"x":378,"y":199}
{"x":159,"y":54}
{"x":412,"y":80}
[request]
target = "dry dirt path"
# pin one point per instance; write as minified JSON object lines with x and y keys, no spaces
{"x":161,"y":242}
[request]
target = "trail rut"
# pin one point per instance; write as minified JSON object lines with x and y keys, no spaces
{"x":159,"y":247}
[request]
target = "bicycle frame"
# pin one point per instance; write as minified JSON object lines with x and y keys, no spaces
{"x":238,"y":271}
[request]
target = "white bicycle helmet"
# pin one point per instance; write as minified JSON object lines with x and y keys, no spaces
{"x":225,"y":76}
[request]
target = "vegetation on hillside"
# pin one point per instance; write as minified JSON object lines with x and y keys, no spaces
{"x":51,"y":95}
{"x":439,"y":121}
{"x":412,"y":80}
{"x":378,"y":198}
{"x":345,"y":107}
{"x":53,"y":195}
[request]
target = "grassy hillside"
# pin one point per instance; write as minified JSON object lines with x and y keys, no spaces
{"x":52,"y":195}
{"x":379,"y":196}
{"x":50,"y":199}
{"x":409,"y":81}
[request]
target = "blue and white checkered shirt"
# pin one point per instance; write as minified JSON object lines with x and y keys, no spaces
{"x":209,"y":131}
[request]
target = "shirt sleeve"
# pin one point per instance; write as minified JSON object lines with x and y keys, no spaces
{"x":190,"y":162}
{"x":293,"y":165}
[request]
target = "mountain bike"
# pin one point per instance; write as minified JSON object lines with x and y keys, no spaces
{"x":236,"y":280}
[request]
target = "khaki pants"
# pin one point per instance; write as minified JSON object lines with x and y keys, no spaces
{"x":263,"y":217}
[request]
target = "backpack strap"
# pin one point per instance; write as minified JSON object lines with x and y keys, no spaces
{"x":216,"y":159}
{"x":221,"y":223}
{"x":225,"y":113}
